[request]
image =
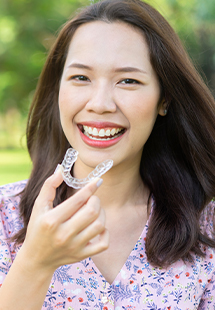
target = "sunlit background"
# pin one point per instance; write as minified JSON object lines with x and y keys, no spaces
{"x":28,"y":29}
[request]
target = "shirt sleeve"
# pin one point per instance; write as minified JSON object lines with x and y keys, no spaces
{"x":5,"y":257}
{"x":207,"y":225}
{"x":10,"y":224}
{"x":207,"y":220}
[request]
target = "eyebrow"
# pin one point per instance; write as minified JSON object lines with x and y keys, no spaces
{"x":80,"y":66}
{"x":117,"y":70}
{"x":130,"y":69}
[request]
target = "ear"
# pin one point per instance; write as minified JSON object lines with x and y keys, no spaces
{"x":163,"y":108}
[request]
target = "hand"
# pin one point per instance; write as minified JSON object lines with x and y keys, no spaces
{"x":63,"y":235}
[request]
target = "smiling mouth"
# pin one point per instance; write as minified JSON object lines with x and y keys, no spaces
{"x":101,"y":134}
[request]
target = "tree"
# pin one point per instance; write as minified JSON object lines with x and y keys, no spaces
{"x":28,"y":28}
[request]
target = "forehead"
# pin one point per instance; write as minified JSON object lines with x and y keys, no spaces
{"x":117,"y":41}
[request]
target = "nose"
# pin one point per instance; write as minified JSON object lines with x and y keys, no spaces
{"x":101,"y":100}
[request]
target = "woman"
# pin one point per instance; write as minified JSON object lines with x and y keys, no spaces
{"x":117,"y":85}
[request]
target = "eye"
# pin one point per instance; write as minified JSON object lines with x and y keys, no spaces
{"x":129,"y":81}
{"x":80,"y":78}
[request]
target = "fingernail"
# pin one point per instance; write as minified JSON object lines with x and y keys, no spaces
{"x":99,"y":183}
{"x":57,"y":168}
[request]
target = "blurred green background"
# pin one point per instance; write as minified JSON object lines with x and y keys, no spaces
{"x":28,"y":29}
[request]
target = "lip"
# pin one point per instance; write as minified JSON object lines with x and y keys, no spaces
{"x":100,"y":143}
{"x":101,"y":124}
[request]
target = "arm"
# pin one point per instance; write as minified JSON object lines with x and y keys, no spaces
{"x":24,"y":287}
{"x":55,"y":237}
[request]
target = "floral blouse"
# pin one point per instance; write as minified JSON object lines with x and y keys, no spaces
{"x":81,"y":286}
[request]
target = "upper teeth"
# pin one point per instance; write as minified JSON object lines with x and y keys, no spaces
{"x":101,"y":132}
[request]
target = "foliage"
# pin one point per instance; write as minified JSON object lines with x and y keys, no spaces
{"x":28,"y":28}
{"x":194,"y":21}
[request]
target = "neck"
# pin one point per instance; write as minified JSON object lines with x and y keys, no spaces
{"x":122,"y":186}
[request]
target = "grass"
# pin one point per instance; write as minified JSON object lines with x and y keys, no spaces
{"x":15,"y":165}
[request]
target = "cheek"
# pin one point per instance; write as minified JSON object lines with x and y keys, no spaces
{"x":62,"y":100}
{"x":71,"y":101}
{"x":141,"y":110}
{"x":66,"y":104}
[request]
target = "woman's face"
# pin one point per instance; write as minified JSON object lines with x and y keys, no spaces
{"x":109,"y":93}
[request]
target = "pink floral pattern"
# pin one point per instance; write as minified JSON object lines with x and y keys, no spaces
{"x":138,"y":285}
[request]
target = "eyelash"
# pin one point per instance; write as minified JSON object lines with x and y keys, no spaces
{"x":130,"y":81}
{"x":79,"y":78}
{"x":83,"y":78}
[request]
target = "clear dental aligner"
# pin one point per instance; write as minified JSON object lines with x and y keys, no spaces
{"x":67,"y":163}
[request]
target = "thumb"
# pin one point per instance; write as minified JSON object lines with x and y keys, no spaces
{"x":48,"y":190}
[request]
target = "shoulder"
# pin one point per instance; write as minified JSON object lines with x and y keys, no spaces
{"x":10,"y":195}
{"x":12,"y":189}
{"x":207,"y":220}
{"x":10,"y":223}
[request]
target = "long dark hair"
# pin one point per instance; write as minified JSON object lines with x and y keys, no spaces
{"x":178,"y":160}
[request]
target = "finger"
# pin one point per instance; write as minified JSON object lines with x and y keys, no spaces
{"x":96,"y":247}
{"x":74,"y":233}
{"x":83,"y":217}
{"x":48,"y":190}
{"x":92,"y":231}
{"x":68,"y":208}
